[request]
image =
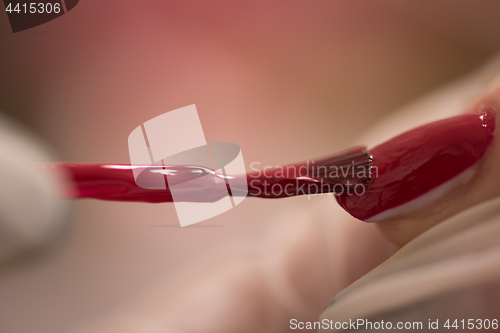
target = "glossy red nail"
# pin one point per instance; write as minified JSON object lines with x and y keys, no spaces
{"x":415,"y":162}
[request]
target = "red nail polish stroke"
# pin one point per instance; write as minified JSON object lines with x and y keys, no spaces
{"x":415,"y":162}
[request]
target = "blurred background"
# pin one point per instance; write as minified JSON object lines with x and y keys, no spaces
{"x":285,"y":80}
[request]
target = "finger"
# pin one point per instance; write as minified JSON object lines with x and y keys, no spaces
{"x":450,"y":271}
{"x":435,"y":171}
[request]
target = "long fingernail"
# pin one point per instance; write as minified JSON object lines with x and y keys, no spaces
{"x":418,"y":161}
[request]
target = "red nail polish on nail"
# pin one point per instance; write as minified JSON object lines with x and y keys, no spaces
{"x":415,"y":162}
